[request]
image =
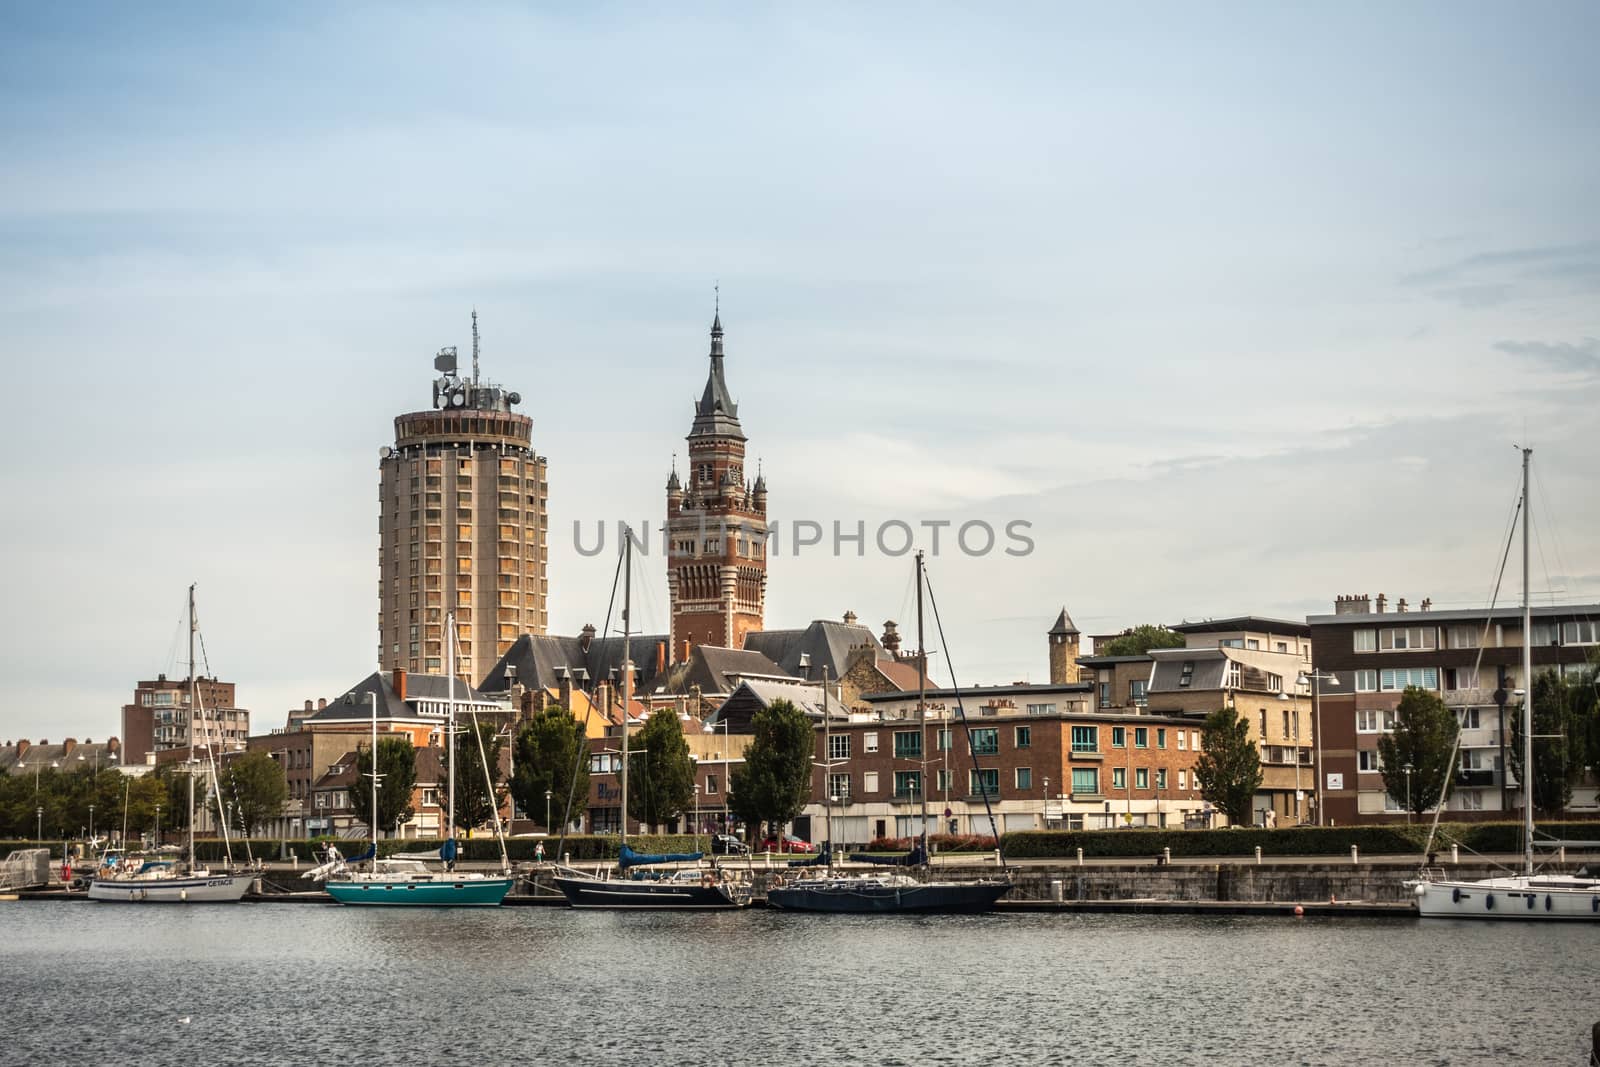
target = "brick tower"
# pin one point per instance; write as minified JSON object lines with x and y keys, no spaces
{"x":716,"y":526}
{"x":1063,"y":650}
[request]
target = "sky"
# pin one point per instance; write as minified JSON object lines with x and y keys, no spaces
{"x":1239,"y":307}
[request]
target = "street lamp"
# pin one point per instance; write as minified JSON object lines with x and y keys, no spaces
{"x":1407,"y":769}
{"x":40,"y":811}
{"x":1047,"y":803}
{"x":727,"y":758}
{"x":1317,"y":677}
{"x":91,"y":822}
{"x":547,"y":794}
{"x":158,"y":826}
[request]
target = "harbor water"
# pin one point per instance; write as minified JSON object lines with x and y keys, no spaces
{"x":315,"y":984}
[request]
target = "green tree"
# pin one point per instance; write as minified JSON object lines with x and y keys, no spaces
{"x":1139,"y":640}
{"x":551,"y":755}
{"x":255,"y":787}
{"x":397,"y":778}
{"x":1559,"y":739}
{"x":775,"y":781}
{"x":661,"y":780}
{"x":477,"y":794}
{"x":1423,"y":741}
{"x":174,"y":779}
{"x":1229,"y":766}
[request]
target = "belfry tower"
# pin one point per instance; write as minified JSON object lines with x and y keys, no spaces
{"x":716,"y":526}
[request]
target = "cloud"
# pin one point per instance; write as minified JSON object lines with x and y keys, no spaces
{"x":1581,"y":358}
{"x":1489,"y":279}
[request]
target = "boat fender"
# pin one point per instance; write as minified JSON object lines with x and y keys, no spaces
{"x":1455,"y":896}
{"x":1548,"y":904}
{"x":1488,"y":901}
{"x":1594,"y":903}
{"x":1532,"y":900}
{"x":183,"y":894}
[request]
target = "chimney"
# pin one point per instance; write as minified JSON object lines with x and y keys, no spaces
{"x":113,"y":745}
{"x":586,"y":637}
{"x":67,"y":746}
{"x":564,"y":687}
{"x":891,"y":638}
{"x":849,"y":618}
{"x":1383,"y":602}
{"x":308,"y":703}
{"x":606,"y":700}
{"x":400,"y":683}
{"x":22,"y":747}
{"x":322,"y":702}
{"x":1427,"y":603}
{"x":1401,"y":606}
{"x":661,"y":656}
{"x":685,"y":658}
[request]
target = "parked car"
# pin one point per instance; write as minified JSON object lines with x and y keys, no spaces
{"x":789,"y":843}
{"x":728,"y":845}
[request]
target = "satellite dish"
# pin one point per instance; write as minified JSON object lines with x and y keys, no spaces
{"x":513,"y":398}
{"x":385,"y":452}
{"x":458,"y":398}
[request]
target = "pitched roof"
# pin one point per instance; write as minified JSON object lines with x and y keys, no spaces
{"x":1063,"y":624}
{"x":740,"y":707}
{"x":824,"y":643}
{"x":355,"y":702}
{"x":539,"y":659}
{"x":718,"y":670}
{"x":716,"y":414}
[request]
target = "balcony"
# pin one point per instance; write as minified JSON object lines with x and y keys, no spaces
{"x":1468,"y":779}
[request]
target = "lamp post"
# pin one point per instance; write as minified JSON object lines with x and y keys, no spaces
{"x":91,"y":822}
{"x":1317,"y":678}
{"x":1047,"y":803}
{"x":1407,"y":769}
{"x":40,"y":812}
{"x":727,"y":758}
{"x":547,"y":794}
{"x":158,"y":826}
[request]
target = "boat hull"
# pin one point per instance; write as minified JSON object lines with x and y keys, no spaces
{"x":414,"y":893}
{"x":214,"y":889}
{"x":1511,"y":900}
{"x":934,"y":897}
{"x":622,"y":893}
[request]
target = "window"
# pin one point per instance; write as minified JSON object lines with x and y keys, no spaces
{"x":838,"y":786}
{"x":1085,"y":739}
{"x":985,"y":741}
{"x":1141,"y":737}
{"x":1283,"y":646}
{"x":1161,"y":778}
{"x":1398,"y":638}
{"x":1161,"y":737}
{"x":986,"y":782}
{"x":1286,"y":733}
{"x":1183,"y":781}
{"x":1024,"y":737}
{"x":1136,"y":690}
{"x":1024,"y":777}
{"x":1460,"y":678}
{"x":839,"y":746}
{"x":1274,"y":683}
{"x":1422,"y":677}
{"x":1366,"y":681}
{"x":1366,"y":640}
{"x":1369,"y":721}
{"x":1544,"y":633}
{"x":1086,"y":780}
{"x":1581,"y":632}
{"x":1468,"y":718}
{"x":869,"y":782}
{"x":1231,"y":642}
{"x":711,"y":785}
{"x":1463,"y":636}
{"x":1041,"y":709}
{"x":1119,"y":778}
{"x":1105,"y":694}
{"x":869,"y":742}
{"x":1194,"y":740}
{"x":942,"y":740}
{"x":1119,"y":736}
{"x":1263,"y":724}
{"x":1186,"y":677}
{"x":1253,"y":643}
{"x":1181,"y":745}
{"x":1471,"y":799}
{"x":1141,"y":778}
{"x":907,"y":784}
{"x":1367,"y":760}
{"x":1232,"y":679}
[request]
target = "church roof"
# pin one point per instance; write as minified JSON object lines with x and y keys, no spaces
{"x":716,"y":414}
{"x":1063,"y":624}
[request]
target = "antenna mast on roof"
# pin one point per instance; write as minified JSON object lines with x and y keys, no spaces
{"x":474,"y":347}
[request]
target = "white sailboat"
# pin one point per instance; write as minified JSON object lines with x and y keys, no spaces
{"x":152,"y":880}
{"x":1529,"y":895}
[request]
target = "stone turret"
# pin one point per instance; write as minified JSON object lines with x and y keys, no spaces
{"x":1063,"y":650}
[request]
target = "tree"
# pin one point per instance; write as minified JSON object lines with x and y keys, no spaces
{"x":1558,"y":732}
{"x":661,"y":780}
{"x":397,"y":778}
{"x":1229,"y":766}
{"x":255,"y":787}
{"x":1422,"y":743}
{"x":775,"y":781}
{"x":477,"y":794}
{"x":551,"y":755}
{"x":1139,"y":640}
{"x":175,"y":806}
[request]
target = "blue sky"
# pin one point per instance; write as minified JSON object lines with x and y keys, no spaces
{"x":1242,"y":306}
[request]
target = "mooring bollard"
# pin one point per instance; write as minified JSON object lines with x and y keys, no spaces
{"x":1561,"y":854}
{"x":1455,"y":854}
{"x":1258,"y":855}
{"x":1166,"y":855}
{"x":1057,"y":892}
{"x":1080,"y":857}
{"x":1355,"y":856}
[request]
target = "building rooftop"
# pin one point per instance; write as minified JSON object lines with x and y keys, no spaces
{"x":1246,"y":623}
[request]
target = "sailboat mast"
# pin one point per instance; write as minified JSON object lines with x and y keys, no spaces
{"x":922,"y":711}
{"x":450,"y":730}
{"x":627,"y":666}
{"x":373,"y":696}
{"x":1527,"y":680}
{"x":194,"y":704}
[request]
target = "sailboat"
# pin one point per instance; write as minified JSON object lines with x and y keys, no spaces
{"x":157,"y":880}
{"x":407,"y":880}
{"x":1528,"y":896}
{"x":895,"y":891}
{"x":703,"y":888}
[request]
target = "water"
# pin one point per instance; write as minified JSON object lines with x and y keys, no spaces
{"x":324,"y":985}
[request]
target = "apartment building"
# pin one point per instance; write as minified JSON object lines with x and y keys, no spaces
{"x":1472,"y":658}
{"x":162,"y":717}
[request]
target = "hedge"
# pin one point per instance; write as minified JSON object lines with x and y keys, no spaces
{"x":1291,"y":841}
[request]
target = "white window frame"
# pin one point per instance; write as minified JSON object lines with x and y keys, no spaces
{"x":869,"y":782}
{"x":1365,"y":641}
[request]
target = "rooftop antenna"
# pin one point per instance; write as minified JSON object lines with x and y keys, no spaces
{"x":716,"y":288}
{"x":474,"y":347}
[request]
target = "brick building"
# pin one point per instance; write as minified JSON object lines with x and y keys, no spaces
{"x":162,"y":718}
{"x":1471,"y":658}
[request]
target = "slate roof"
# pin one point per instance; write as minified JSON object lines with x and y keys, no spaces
{"x":740,"y":707}
{"x":83,"y":755}
{"x":717,"y":670}
{"x":826,"y":642}
{"x":1251,"y":623}
{"x":1210,"y":669}
{"x":539,"y":659}
{"x":716,"y":414}
{"x":354,"y":703}
{"x":1063,"y":624}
